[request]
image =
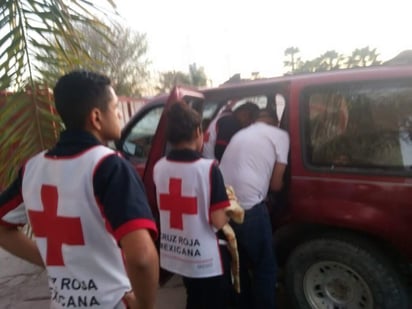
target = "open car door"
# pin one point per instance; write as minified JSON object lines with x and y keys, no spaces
{"x":159,"y":147}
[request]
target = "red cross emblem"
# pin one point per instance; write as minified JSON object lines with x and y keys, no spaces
{"x":177,"y":204}
{"x":57,"y":230}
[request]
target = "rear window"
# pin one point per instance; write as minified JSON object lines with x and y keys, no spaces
{"x":367,"y":126}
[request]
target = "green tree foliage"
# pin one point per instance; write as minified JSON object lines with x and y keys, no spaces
{"x":118,"y":51}
{"x":363,"y":57}
{"x":169,"y":79}
{"x":195,"y":77}
{"x":330,"y":60}
{"x":292,"y":60}
{"x":28,"y":29}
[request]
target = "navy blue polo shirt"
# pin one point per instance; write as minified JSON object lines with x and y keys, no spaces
{"x":117,"y":187}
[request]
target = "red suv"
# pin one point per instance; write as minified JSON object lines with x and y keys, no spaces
{"x":343,"y":222}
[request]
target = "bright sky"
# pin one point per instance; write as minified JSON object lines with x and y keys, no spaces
{"x":243,"y":36}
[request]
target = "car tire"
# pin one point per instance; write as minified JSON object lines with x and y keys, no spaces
{"x":343,"y":273}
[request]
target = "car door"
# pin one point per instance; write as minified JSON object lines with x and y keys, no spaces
{"x":138,"y":134}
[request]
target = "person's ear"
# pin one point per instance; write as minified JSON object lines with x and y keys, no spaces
{"x":95,"y":118}
{"x":198,"y":132}
{"x":198,"y":135}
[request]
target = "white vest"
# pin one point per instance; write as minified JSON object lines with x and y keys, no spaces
{"x":84,"y":263}
{"x":188,"y":243}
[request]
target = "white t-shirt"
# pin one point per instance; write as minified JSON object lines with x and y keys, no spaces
{"x":248,"y":161}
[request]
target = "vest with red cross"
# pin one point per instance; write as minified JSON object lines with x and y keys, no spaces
{"x":83,"y":261}
{"x":188,"y":243}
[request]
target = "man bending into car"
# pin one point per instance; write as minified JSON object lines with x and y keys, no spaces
{"x":254,"y":162}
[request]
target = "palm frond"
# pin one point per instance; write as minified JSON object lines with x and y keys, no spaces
{"x":22,"y":137}
{"x":28,"y":30}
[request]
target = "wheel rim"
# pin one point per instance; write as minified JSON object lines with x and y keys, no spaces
{"x":332,"y":285}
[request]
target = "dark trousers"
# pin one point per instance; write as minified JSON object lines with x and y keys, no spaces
{"x":256,"y":254}
{"x":212,"y":292}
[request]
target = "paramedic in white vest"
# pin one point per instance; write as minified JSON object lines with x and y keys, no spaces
{"x":254,"y":163}
{"x":192,"y":199}
{"x":92,"y":224}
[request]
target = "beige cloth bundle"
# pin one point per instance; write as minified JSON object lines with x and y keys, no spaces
{"x":237,"y":214}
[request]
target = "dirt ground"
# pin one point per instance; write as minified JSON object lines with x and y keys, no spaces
{"x":24,"y":286}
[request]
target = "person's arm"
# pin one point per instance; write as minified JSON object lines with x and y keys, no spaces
{"x":281,"y":144}
{"x":219,"y":200}
{"x":219,"y":218}
{"x":17,"y":243}
{"x":12,"y":215}
{"x":142,"y":264}
{"x":276,"y":181}
{"x":122,"y":196}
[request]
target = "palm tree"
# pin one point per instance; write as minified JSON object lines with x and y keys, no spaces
{"x":293,"y":60}
{"x":197,"y":75}
{"x":28,"y":122}
{"x":170,"y":79}
{"x":331,"y":60}
{"x":308,"y":66}
{"x":362,"y":57}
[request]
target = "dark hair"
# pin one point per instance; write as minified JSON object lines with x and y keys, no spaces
{"x":182,"y":122}
{"x":77,"y":93}
{"x":250,"y":107}
{"x":269,"y":112}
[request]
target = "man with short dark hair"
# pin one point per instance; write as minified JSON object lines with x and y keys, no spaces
{"x":227,"y":125}
{"x":87,"y":207}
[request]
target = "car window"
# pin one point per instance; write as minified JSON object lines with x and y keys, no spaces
{"x":276,"y":101}
{"x":361,"y":126}
{"x":210,"y":109}
{"x":139,"y":141}
{"x":260,"y":101}
{"x":280,"y":105}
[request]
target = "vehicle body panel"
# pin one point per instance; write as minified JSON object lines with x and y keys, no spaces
{"x":372,"y":203}
{"x":366,"y":201}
